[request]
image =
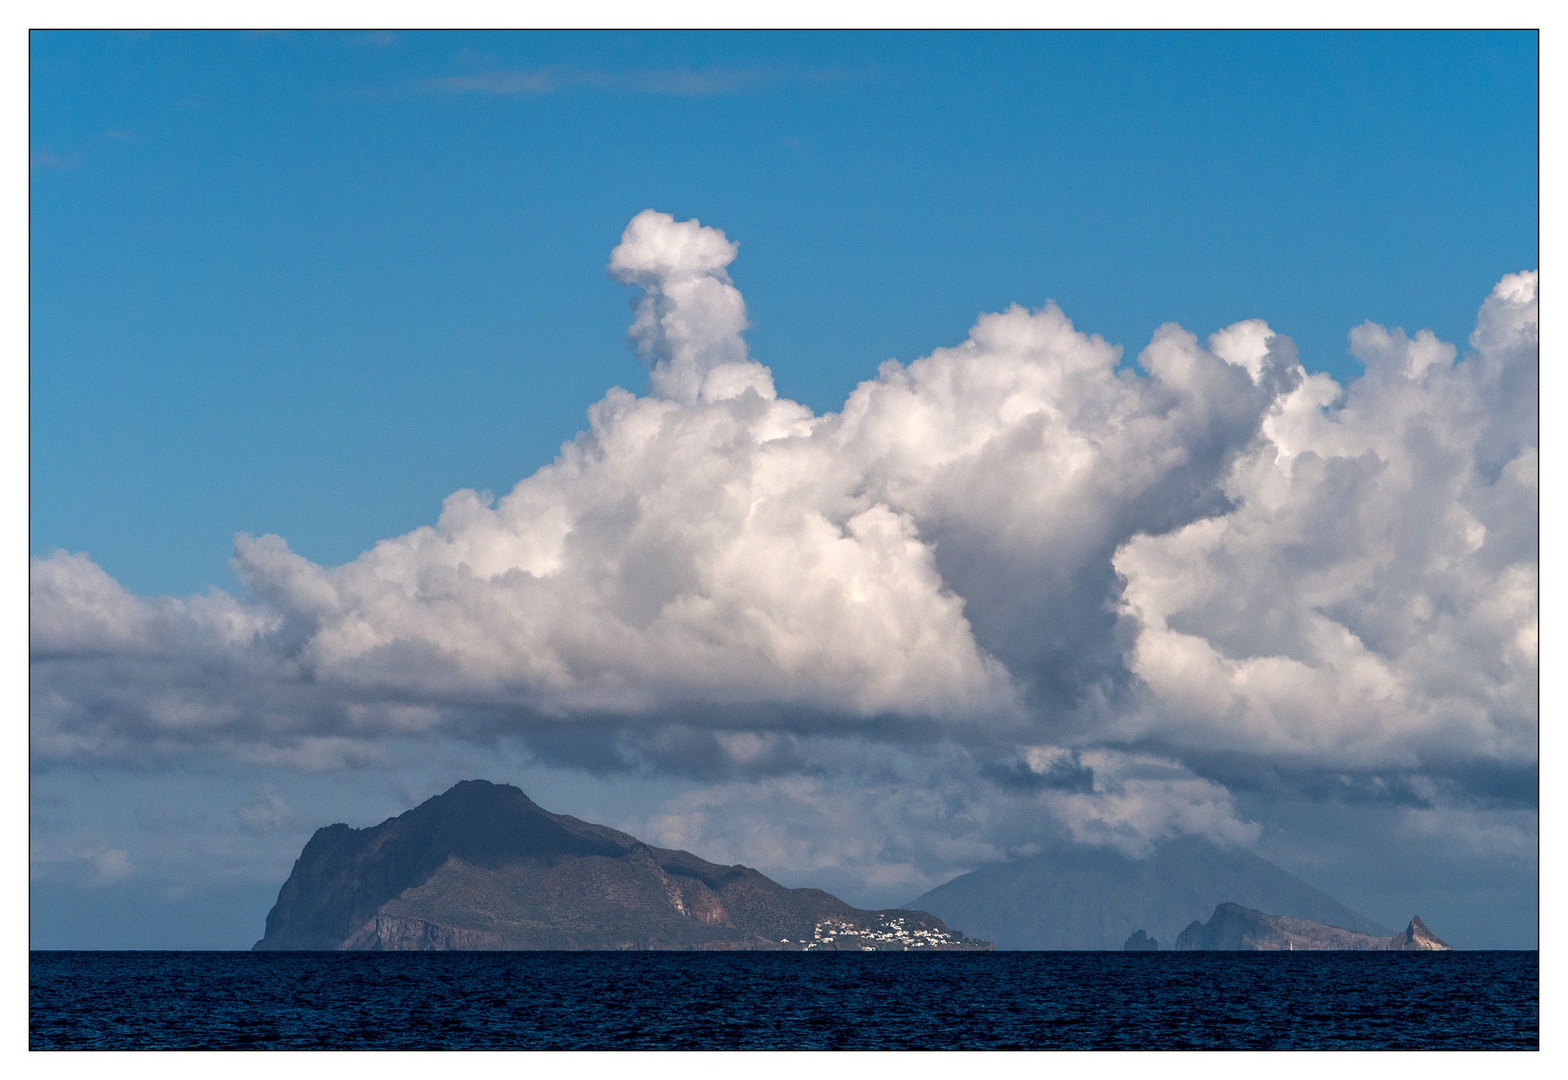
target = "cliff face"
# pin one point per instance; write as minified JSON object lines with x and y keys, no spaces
{"x":1233,"y":927}
{"x":483,"y":867}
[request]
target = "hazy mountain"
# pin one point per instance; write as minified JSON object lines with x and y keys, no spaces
{"x":482,"y":867}
{"x":1233,"y":927}
{"x":1077,"y":897}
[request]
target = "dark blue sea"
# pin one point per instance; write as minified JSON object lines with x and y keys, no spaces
{"x":660,"y":1000}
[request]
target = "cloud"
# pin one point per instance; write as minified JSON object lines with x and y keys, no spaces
{"x":690,"y":319}
{"x":45,"y":158}
{"x":1370,"y":599}
{"x":1027,"y":454}
{"x":898,"y":825}
{"x":267,"y":812}
{"x":95,"y":865}
{"x":1490,"y":834}
{"x":110,"y":866}
{"x":50,"y":159}
{"x":1137,"y":800}
{"x":1030,"y":573}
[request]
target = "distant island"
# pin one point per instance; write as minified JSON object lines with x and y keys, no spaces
{"x":1078,"y":897}
{"x":1233,"y":927}
{"x":481,"y":866}
{"x":1139,"y":941}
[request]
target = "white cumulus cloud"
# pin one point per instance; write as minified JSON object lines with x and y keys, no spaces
{"x":1089,"y":574}
{"x":1370,"y":600}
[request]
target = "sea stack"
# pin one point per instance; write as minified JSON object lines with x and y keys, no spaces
{"x":1138,"y":941}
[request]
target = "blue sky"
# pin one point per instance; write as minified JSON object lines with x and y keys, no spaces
{"x":312,"y":285}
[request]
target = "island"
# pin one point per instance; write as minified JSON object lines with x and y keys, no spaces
{"x":1233,"y":927}
{"x":482,"y":866}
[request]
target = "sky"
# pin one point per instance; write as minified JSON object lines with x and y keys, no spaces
{"x":859,"y":456}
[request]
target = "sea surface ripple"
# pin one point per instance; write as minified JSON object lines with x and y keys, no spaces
{"x":661,"y":1000}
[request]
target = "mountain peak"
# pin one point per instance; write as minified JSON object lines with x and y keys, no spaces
{"x":1418,"y":938}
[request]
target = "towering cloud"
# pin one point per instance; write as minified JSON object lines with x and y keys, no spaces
{"x":1031,"y":569}
{"x":690,"y":319}
{"x":1370,"y":600}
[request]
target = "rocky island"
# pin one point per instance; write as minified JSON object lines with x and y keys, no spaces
{"x":1233,"y":927}
{"x":481,"y":866}
{"x":1140,"y":941}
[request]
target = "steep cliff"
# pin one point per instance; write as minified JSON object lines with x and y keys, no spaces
{"x":483,"y":867}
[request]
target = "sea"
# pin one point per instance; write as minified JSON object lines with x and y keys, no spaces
{"x":779,"y":1001}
